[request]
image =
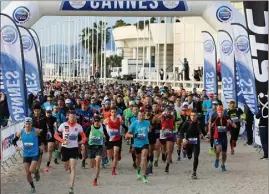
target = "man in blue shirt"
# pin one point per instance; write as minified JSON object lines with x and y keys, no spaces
{"x":93,"y":104}
{"x":139,"y":131}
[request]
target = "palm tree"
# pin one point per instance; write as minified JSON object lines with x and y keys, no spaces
{"x":89,"y":36}
{"x":120,"y":23}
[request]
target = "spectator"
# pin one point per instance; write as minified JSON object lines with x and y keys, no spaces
{"x":4,"y":112}
{"x":186,"y":69}
{"x":161,"y":73}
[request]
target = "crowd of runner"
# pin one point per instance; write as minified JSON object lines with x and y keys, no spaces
{"x":90,"y":122}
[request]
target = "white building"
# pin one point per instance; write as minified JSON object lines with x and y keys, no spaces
{"x":166,"y":44}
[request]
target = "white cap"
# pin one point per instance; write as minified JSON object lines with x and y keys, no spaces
{"x":48,"y":108}
{"x":68,"y":101}
{"x":185,"y":104}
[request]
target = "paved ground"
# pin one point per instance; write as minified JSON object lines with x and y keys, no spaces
{"x":246,"y":174}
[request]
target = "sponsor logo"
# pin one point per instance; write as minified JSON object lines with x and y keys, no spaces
{"x":27,"y":43}
{"x":171,"y":4}
{"x":21,"y":15}
{"x":226,"y":47}
{"x":209,"y":46}
{"x":9,"y":34}
{"x":242,"y":43}
{"x":224,"y":14}
{"x":77,"y":4}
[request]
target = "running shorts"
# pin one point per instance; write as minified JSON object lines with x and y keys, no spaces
{"x":95,"y":151}
{"x":223,"y":142}
{"x":111,"y":144}
{"x":69,"y":153}
{"x":30,"y":159}
{"x":139,"y":150}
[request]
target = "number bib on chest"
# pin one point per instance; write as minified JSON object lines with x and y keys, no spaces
{"x":49,"y":136}
{"x":222,"y":129}
{"x":96,"y":140}
{"x":28,"y":146}
{"x":168,"y":133}
{"x":141,"y":136}
{"x":73,"y":137}
{"x":193,"y":140}
{"x":235,"y":119}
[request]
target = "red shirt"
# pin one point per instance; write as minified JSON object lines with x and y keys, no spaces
{"x":168,"y":123}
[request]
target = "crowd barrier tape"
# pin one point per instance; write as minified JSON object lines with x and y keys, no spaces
{"x":7,"y":135}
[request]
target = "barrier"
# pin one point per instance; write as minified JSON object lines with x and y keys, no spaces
{"x":8,"y":151}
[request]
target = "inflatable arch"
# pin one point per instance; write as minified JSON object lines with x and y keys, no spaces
{"x":218,"y":14}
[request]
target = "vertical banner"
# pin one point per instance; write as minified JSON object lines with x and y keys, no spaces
{"x":12,"y":64}
{"x":227,"y":66}
{"x":244,"y":66}
{"x":31,"y":58}
{"x":210,"y":63}
{"x":256,"y":13}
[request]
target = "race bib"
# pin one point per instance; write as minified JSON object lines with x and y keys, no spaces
{"x":96,"y":140}
{"x":141,"y":136}
{"x":235,"y":119}
{"x":162,"y":136}
{"x":114,"y":132}
{"x":49,"y":136}
{"x":28,"y":146}
{"x":222,"y":129}
{"x":167,"y":133}
{"x":193,"y":140}
{"x":73,"y":137}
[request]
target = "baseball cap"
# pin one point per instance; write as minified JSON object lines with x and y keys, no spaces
{"x":138,"y":98}
{"x":84,"y":102}
{"x":107,"y":102}
{"x":68,"y":101}
{"x":169,"y":108}
{"x":28,"y":120}
{"x":220,"y":109}
{"x":72,"y":111}
{"x":215,"y":102}
{"x":48,"y":109}
{"x":185,"y":104}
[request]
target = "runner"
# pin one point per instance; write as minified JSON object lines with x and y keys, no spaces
{"x":51,"y":122}
{"x":70,"y":131}
{"x":168,"y":124}
{"x":219,"y":127}
{"x":96,"y":135}
{"x":211,"y":115}
{"x":31,"y":152}
{"x":113,"y":125}
{"x":139,"y":131}
{"x":234,"y":114}
{"x":190,"y":133}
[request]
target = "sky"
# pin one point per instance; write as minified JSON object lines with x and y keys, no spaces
{"x":45,"y":24}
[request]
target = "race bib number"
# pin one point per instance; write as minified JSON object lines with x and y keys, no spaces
{"x":28,"y":146}
{"x":235,"y":119}
{"x":96,"y":140}
{"x":141,"y":136}
{"x":73,"y":137}
{"x":193,"y":140}
{"x":167,"y":133}
{"x":162,"y":136}
{"x":114,"y":132}
{"x":222,"y":129}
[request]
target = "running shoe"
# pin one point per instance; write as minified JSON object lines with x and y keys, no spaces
{"x":145,"y":179}
{"x":194,"y":176}
{"x":138,"y":173}
{"x":211,"y":151}
{"x":178,"y":158}
{"x":114,"y":172}
{"x":103,"y":166}
{"x":156,"y":163}
{"x":37,"y":176}
{"x":32,"y":190}
{"x":216,"y":163}
{"x":232,"y":152}
{"x":71,"y":191}
{"x":223,"y":169}
{"x":47,"y":169}
{"x":94,"y":182}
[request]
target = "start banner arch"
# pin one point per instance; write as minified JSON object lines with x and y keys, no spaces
{"x":218,"y":14}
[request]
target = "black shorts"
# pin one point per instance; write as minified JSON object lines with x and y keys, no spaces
{"x":93,"y":152}
{"x":69,"y":153}
{"x":111,"y":144}
{"x":157,"y":136}
{"x":30,"y":159}
{"x":139,"y":150}
{"x":152,"y":139}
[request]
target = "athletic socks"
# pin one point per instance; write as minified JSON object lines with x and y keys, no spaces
{"x":32,"y":185}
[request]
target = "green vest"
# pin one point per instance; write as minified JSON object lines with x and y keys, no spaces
{"x":96,"y":136}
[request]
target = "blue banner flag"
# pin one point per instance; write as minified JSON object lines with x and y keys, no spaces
{"x":210,"y":63}
{"x":12,"y":66}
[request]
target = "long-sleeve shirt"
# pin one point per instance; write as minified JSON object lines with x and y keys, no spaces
{"x":192,"y":130}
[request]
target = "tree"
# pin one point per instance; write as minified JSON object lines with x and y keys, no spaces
{"x":120,"y":23}
{"x":113,"y":61}
{"x":89,"y":36}
{"x":140,"y":24}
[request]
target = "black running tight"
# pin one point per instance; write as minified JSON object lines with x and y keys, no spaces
{"x":195,"y":150}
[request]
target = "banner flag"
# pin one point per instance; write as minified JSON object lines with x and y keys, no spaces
{"x":210,"y":63}
{"x":38,"y":45}
{"x":12,"y":66}
{"x":244,"y":66}
{"x":256,"y":13}
{"x":227,"y":66}
{"x":32,"y":76}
